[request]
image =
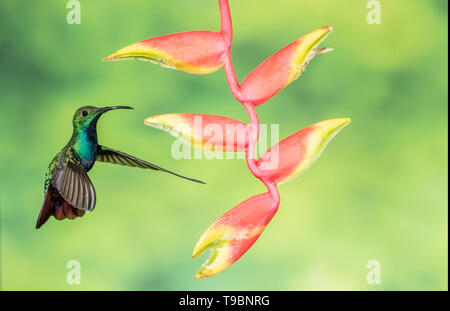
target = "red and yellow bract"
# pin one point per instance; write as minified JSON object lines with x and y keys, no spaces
{"x":296,"y":153}
{"x":230,"y":236}
{"x":198,"y":52}
{"x":279,"y":70}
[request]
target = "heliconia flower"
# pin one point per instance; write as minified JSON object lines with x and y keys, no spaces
{"x":296,"y":153}
{"x":234,"y":233}
{"x":203,"y":131}
{"x":283,"y":67}
{"x":198,"y":52}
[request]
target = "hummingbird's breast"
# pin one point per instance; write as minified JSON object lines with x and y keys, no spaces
{"x":86,"y":150}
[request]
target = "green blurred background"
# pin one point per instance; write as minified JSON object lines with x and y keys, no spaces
{"x":377,"y":193}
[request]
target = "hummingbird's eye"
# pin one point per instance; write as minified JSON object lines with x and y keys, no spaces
{"x":84,"y":113}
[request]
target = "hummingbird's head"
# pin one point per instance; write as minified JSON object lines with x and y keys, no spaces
{"x":88,"y":116}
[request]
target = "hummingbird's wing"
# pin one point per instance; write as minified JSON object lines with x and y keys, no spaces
{"x":74,"y":185}
{"x":109,"y":155}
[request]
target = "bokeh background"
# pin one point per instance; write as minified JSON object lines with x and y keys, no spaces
{"x":378,"y":192}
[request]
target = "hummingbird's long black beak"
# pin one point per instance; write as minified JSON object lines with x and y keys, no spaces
{"x":105,"y":109}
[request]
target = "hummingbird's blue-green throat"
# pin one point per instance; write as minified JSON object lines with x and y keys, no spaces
{"x":68,"y":190}
{"x":84,"y":137}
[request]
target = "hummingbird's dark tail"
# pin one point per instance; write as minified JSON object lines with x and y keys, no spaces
{"x":55,"y":205}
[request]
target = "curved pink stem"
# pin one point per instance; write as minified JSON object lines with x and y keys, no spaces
{"x":226,"y":26}
{"x":254,"y":136}
{"x":227,"y":32}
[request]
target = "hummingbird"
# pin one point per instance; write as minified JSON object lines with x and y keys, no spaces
{"x":69,"y":192}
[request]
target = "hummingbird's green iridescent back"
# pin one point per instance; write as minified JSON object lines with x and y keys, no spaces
{"x":49,"y":172}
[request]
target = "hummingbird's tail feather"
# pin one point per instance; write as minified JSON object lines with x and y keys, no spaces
{"x":109,"y":155}
{"x":46,"y":209}
{"x":55,"y":205}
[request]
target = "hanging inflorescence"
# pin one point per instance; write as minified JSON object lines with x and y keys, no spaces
{"x":203,"y":52}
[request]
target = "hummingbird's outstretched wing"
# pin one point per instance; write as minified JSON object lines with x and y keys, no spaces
{"x":109,"y":155}
{"x":74,"y":185}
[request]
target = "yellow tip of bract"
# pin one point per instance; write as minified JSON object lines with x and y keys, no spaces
{"x":329,"y":128}
{"x":330,"y":28}
{"x":218,"y":260}
{"x":213,"y":236}
{"x":176,"y":125}
{"x":137,"y":51}
{"x":306,"y":50}
{"x":214,"y":239}
{"x":334,"y":124}
{"x":163,"y":121}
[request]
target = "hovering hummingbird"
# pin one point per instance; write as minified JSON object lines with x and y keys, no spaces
{"x":69,"y":192}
